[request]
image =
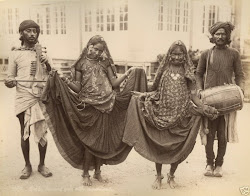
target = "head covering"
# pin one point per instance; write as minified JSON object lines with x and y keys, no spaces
{"x":165,"y":64}
{"x":29,"y":24}
{"x":104,"y":56}
{"x":228,"y":26}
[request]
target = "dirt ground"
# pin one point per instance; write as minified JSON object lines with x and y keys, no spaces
{"x":132,"y":177}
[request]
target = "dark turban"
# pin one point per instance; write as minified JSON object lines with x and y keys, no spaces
{"x":228,"y":26}
{"x":29,"y":24}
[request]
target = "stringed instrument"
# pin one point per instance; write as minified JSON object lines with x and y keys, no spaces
{"x":37,"y":87}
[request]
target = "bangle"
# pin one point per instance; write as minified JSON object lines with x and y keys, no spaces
{"x":126,"y":74}
{"x":198,"y":91}
{"x":67,"y":81}
{"x":193,"y":92}
{"x":77,"y":82}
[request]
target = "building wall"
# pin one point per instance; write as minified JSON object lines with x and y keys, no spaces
{"x":148,"y":26}
{"x":142,"y":41}
{"x":245,"y":28}
{"x":64,"y":38}
{"x":116,"y":38}
{"x":242,"y":39}
{"x":60,"y":45}
{"x":206,"y":13}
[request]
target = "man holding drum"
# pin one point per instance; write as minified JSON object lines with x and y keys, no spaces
{"x":216,"y":67}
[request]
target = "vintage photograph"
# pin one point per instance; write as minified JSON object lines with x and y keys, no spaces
{"x":124,"y":97}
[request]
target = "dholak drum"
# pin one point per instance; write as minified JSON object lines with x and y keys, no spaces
{"x":225,"y":99}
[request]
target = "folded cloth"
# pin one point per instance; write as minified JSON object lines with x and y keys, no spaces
{"x":34,"y":121}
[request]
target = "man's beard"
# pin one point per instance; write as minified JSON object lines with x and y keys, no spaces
{"x":34,"y":41}
{"x":220,"y":41}
{"x":30,"y":41}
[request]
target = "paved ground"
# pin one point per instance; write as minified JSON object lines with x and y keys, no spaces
{"x":132,"y":177}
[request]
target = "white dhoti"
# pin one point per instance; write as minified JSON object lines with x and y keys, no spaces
{"x":34,"y":120}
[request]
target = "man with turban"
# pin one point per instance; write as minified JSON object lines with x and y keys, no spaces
{"x":216,"y":67}
{"x":23,"y":72}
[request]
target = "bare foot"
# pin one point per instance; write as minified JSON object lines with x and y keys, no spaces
{"x":86,"y":180}
{"x":157,"y":182}
{"x":98,"y":176}
{"x":171,"y":182}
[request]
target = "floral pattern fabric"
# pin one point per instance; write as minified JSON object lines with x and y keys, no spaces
{"x":96,"y":87}
{"x":169,"y":104}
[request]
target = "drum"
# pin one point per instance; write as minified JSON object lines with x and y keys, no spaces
{"x":225,"y":99}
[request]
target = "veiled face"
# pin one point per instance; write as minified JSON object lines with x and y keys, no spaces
{"x":177,"y":56}
{"x":94,"y":51}
{"x":220,"y":37}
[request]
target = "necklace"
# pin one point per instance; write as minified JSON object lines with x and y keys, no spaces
{"x":91,"y":59}
{"x":25,"y":48}
{"x":175,"y":74}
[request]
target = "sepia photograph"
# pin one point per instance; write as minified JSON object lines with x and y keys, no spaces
{"x":124,"y":97}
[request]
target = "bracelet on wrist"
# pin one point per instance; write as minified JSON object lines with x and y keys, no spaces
{"x":193,"y":92}
{"x":199,"y":91}
{"x":77,"y":82}
{"x":67,"y":81}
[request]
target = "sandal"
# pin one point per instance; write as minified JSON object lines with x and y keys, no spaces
{"x":44,"y":171}
{"x":26,"y":172}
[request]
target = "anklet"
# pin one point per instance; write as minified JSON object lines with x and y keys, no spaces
{"x":161,"y":176}
{"x":170,"y":177}
{"x":85,"y":175}
{"x":97,"y":172}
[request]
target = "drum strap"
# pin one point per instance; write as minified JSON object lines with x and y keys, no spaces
{"x":205,"y":119}
{"x":209,"y":60}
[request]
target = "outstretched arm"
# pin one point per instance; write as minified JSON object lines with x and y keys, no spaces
{"x":208,"y":111}
{"x":115,"y":82}
{"x":194,"y":96}
{"x":76,"y":85}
